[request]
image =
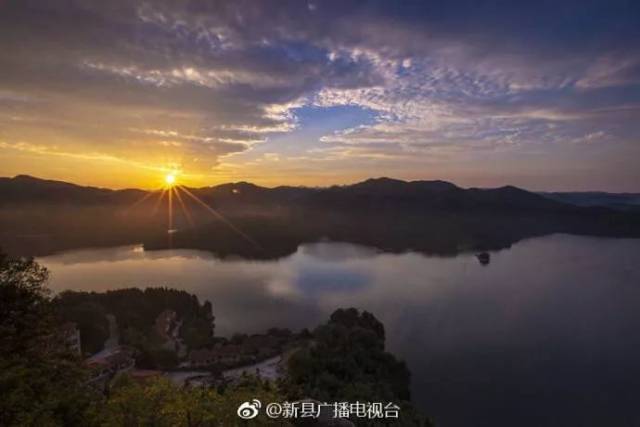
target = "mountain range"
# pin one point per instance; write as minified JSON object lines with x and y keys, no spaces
{"x":42,"y":216}
{"x":24,"y":189}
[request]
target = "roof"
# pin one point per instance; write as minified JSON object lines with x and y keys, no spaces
{"x":145,"y":373}
{"x":117,"y":355}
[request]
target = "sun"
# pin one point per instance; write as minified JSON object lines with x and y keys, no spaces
{"x":170,"y":179}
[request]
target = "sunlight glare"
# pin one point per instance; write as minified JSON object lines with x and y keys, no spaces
{"x":170,"y":179}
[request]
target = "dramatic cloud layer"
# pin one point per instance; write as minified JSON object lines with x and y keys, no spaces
{"x":545,"y":94}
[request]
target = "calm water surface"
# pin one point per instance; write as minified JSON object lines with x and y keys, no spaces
{"x":547,"y":334}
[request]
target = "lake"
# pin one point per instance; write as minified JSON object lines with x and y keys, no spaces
{"x":546,"y":334}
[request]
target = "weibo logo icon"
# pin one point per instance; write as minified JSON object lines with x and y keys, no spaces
{"x":249,"y":410}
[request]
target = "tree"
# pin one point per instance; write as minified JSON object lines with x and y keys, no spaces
{"x":160,"y":403}
{"x":89,"y":316}
{"x":347,"y":363}
{"x":25,"y":310}
{"x":41,"y":382}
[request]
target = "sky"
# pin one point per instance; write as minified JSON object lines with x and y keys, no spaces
{"x":542,"y":94}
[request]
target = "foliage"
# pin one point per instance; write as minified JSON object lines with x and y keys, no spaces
{"x":196,"y":332}
{"x":347,"y":362}
{"x":164,"y":359}
{"x":160,"y":403}
{"x":90,"y":318}
{"x":136,"y":311}
{"x":25,"y":316}
{"x":41,"y":383}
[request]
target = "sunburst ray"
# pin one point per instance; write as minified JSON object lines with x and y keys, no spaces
{"x":184,"y":208}
{"x":219,"y":216}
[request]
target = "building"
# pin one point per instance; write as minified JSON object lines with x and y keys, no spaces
{"x":163,"y":324}
{"x":262,"y":346}
{"x":225,"y":354}
{"x":106,"y":364}
{"x":70,"y":335}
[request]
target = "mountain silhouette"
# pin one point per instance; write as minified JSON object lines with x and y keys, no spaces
{"x":420,"y":194}
{"x":43,"y":216}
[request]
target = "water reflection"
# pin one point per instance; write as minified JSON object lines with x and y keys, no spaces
{"x":547,"y":329}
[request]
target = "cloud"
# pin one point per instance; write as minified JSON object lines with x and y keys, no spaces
{"x":204,"y":81}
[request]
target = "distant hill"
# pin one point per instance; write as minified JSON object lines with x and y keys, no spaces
{"x":24,"y":189}
{"x":41,"y":216}
{"x":618,"y":201}
{"x":438,"y":195}
{"x":435,"y":194}
{"x":27,"y":189}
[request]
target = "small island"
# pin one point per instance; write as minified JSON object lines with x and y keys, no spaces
{"x":484,"y":258}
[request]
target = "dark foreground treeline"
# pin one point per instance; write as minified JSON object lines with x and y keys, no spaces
{"x":43,"y":383}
